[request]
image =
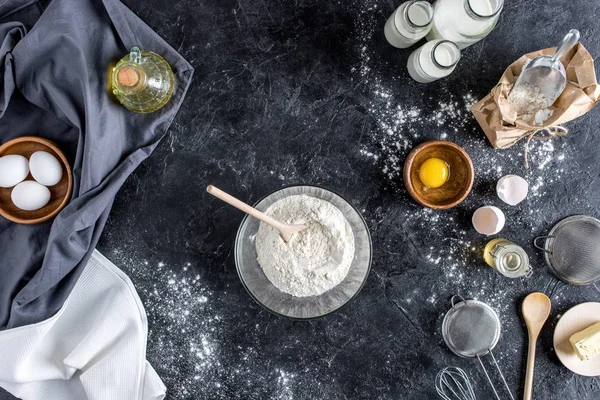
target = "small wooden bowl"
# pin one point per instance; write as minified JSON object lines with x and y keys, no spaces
{"x":59,"y":193}
{"x":459,"y":183}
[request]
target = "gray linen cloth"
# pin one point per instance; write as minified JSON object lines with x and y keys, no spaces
{"x":56,"y":58}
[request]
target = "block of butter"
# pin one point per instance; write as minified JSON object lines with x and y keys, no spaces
{"x":587,"y":342}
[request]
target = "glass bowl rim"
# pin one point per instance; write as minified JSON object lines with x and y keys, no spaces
{"x":368,"y":269}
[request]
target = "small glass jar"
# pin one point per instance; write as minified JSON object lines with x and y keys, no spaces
{"x":432,"y":61}
{"x":464,"y":21}
{"x":409,"y":23}
{"x":507,"y":258}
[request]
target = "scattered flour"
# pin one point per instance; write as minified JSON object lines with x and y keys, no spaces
{"x":184,"y":329}
{"x":542,"y":116}
{"x":189,"y":337}
{"x":201,"y":351}
{"x":314,"y":260}
{"x":403,"y":126}
{"x":400,"y":125}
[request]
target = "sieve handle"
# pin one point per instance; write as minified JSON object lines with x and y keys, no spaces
{"x":535,"y":243}
{"x":502,"y":376}
{"x":452,"y":301}
{"x":488,"y":378}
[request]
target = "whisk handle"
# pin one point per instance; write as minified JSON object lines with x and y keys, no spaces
{"x":530,"y":366}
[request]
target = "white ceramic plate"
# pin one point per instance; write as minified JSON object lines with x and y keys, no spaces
{"x":576,"y":319}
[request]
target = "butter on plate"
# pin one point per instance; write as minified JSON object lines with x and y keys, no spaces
{"x":587,"y":342}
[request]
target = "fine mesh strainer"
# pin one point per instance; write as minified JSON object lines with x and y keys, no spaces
{"x":471,"y":329}
{"x":572,"y":249}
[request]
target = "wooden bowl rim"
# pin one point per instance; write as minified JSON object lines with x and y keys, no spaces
{"x":409,"y":184}
{"x":63,"y":159}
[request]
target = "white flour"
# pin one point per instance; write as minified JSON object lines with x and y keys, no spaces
{"x":527,"y":99}
{"x":542,"y":115}
{"x":316,"y":259}
{"x":530,"y":102}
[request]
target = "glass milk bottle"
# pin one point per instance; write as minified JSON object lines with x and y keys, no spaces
{"x":408,"y":24}
{"x":432,"y":61}
{"x":464,"y":21}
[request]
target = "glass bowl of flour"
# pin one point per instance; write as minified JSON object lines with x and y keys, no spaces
{"x":320,"y":269}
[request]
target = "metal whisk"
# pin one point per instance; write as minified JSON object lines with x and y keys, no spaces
{"x":452,"y":383}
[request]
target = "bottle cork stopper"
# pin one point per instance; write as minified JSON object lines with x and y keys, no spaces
{"x":127,"y":77}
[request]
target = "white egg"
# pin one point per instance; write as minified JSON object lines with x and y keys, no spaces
{"x":13,"y":169}
{"x":488,"y":220}
{"x":45,"y":168}
{"x":512,"y":189}
{"x":30,"y":195}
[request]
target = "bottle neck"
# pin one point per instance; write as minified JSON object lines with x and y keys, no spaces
{"x":130,"y":78}
{"x":417,"y":16}
{"x":445,"y":54}
{"x":478,"y":10}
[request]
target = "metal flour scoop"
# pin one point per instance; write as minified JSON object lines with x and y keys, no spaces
{"x":542,"y":80}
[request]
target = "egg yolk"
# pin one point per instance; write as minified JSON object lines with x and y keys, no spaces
{"x":434,"y":172}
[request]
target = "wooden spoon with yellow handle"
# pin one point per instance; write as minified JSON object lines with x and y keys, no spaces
{"x":536,"y":309}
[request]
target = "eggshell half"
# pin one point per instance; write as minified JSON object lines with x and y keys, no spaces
{"x":488,"y":220}
{"x":512,"y":189}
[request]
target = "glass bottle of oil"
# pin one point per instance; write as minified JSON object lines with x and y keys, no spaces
{"x":507,"y":258}
{"x":142,"y":81}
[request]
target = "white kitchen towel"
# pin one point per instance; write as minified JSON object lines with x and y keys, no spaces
{"x":94,"y":348}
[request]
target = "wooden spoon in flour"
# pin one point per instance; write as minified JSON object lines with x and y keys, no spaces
{"x":286,"y":231}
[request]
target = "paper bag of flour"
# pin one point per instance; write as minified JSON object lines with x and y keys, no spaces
{"x":498,"y":119}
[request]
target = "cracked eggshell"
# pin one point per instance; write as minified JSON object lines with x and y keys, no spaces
{"x":512,"y":189}
{"x":488,"y":220}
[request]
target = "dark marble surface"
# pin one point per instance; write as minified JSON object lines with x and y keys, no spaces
{"x":310,"y":92}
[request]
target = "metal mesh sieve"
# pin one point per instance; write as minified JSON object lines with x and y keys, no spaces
{"x":470,"y":329}
{"x":572,"y":249}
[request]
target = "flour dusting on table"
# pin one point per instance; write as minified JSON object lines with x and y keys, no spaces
{"x":187,"y":333}
{"x":207,"y":339}
{"x":399,"y":124}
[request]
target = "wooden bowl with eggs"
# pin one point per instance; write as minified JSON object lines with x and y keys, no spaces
{"x":60,"y":192}
{"x":457,"y":182}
